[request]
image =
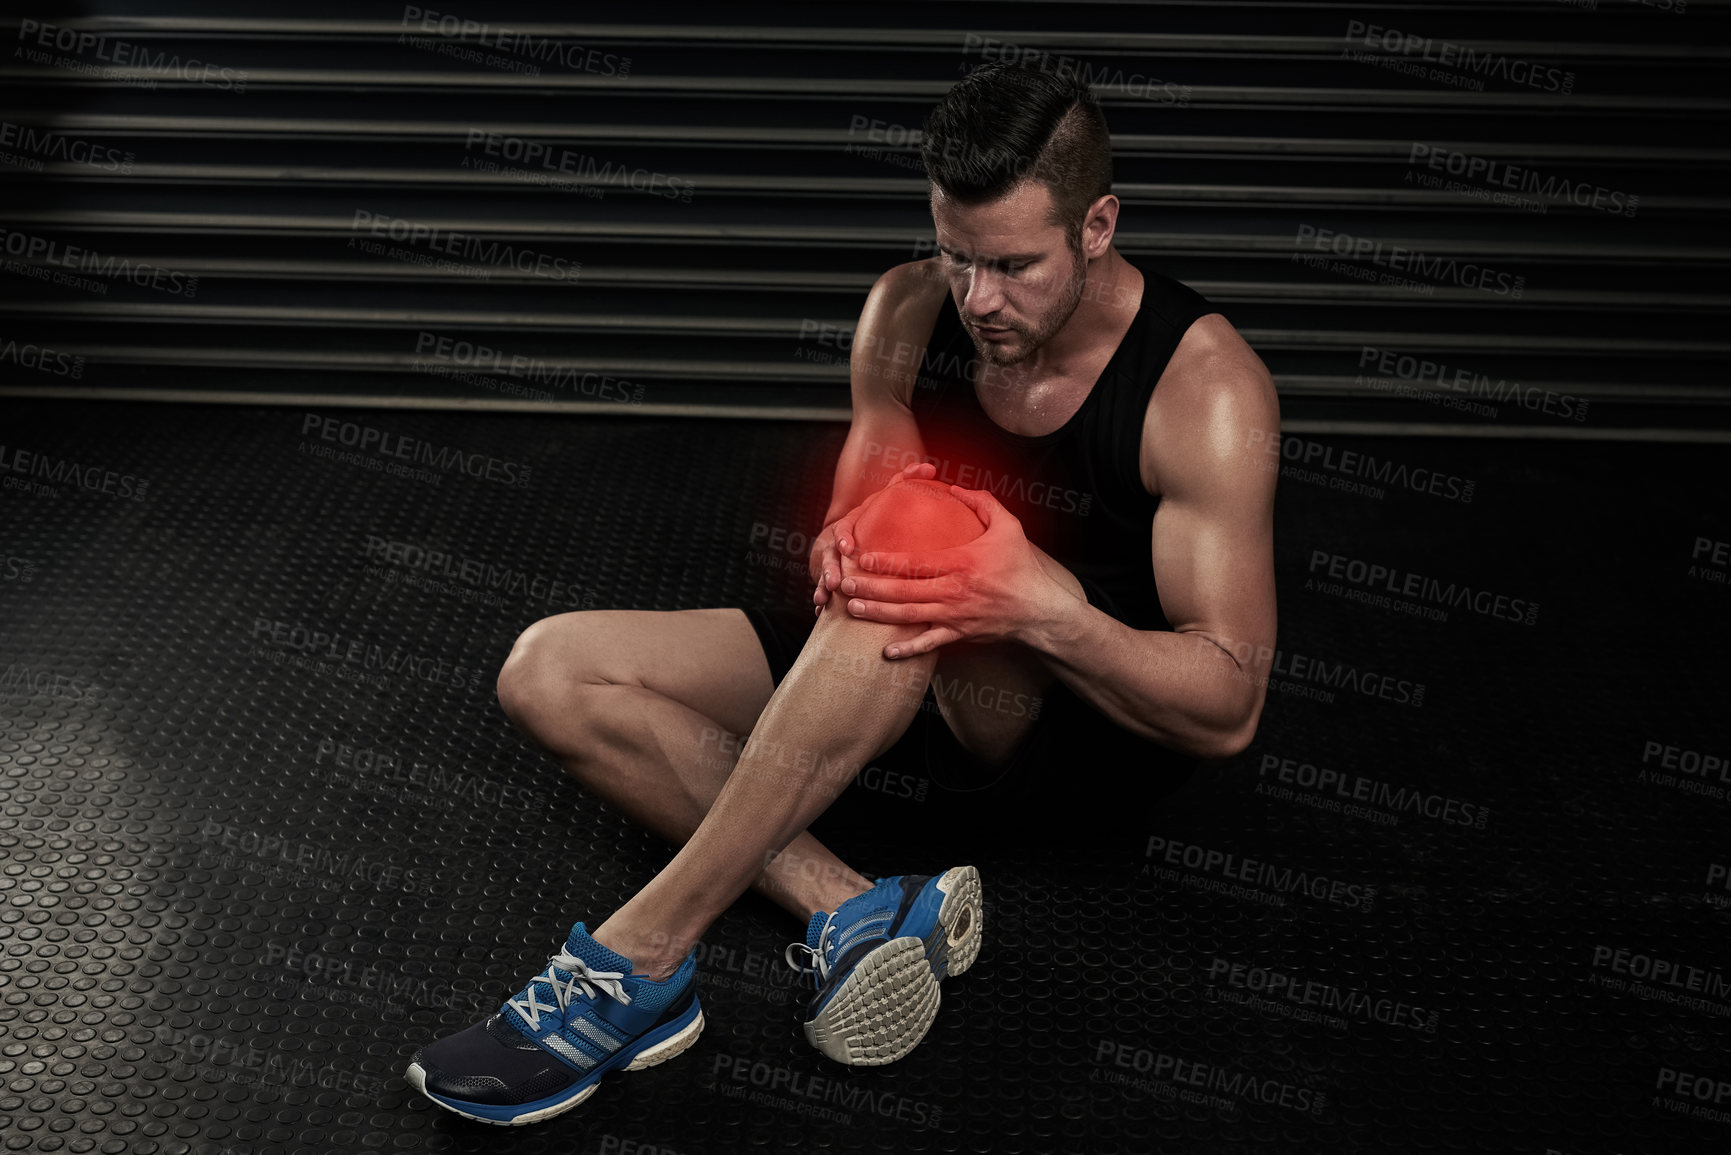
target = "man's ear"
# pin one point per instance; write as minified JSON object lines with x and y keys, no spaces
{"x":1099,"y":227}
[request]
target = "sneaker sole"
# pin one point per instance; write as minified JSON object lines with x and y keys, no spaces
{"x":961,"y":923}
{"x":884,"y":1009}
{"x":656,"y":1047}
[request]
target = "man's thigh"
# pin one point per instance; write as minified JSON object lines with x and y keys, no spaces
{"x":707,"y":659}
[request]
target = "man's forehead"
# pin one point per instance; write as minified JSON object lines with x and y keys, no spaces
{"x":1016,"y":226}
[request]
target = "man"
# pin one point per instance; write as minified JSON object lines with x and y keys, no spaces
{"x":1111,"y":562}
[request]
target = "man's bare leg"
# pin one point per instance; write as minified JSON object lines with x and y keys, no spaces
{"x":623,"y":995}
{"x":648,"y":711}
{"x":842,"y":704}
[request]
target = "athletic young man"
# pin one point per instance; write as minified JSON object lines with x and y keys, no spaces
{"x":1058,"y":501}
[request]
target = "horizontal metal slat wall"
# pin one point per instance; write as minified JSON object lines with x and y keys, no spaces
{"x":333,"y":203}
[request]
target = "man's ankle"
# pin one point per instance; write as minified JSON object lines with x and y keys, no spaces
{"x":838,"y":891}
{"x":654,"y":955}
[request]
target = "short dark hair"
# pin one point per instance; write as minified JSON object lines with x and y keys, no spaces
{"x":1006,"y":122}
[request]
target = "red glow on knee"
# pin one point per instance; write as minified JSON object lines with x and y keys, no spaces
{"x":915,"y":521}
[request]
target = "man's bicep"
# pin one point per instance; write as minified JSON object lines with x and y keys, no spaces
{"x":883,"y":364}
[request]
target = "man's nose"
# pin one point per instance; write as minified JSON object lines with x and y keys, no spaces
{"x":985,"y":294}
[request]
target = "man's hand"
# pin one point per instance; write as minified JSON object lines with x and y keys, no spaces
{"x":989,"y":590}
{"x":837,"y":539}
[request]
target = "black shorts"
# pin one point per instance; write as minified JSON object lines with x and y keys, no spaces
{"x":1076,"y":778}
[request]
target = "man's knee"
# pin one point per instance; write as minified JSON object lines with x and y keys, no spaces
{"x":916,"y":516}
{"x":532,"y":680}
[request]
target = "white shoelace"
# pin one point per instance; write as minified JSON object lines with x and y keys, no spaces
{"x":582,"y":976}
{"x":816,"y":960}
{"x":829,"y":945}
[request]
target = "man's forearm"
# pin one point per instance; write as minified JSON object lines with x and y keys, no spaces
{"x":1180,"y":690}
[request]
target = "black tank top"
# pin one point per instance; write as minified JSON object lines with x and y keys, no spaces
{"x":1077,"y":490}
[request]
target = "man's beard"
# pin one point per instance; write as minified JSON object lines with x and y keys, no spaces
{"x":1031,"y":341}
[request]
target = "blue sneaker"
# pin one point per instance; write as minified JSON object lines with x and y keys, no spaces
{"x":877,"y":959}
{"x":546,"y":1050}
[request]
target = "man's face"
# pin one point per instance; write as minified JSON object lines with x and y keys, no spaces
{"x":1015,"y":279}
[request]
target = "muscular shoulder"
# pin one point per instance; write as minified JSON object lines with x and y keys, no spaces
{"x":895,"y":326}
{"x":905,"y":297}
{"x":1214,"y":398}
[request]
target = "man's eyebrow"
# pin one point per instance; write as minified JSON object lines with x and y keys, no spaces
{"x":1012,"y":258}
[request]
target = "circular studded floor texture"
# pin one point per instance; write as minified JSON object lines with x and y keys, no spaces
{"x":264,"y":830}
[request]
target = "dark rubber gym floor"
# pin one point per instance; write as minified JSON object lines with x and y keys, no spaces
{"x":264,"y":830}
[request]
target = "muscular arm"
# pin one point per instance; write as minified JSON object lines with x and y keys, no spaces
{"x":892,"y":333}
{"x":1200,"y":687}
{"x":883,"y":437}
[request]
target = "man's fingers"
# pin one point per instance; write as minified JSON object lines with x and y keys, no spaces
{"x":915,"y":565}
{"x":980,"y":501}
{"x":891,"y":589}
{"x":925,"y":643}
{"x":894,"y":611}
